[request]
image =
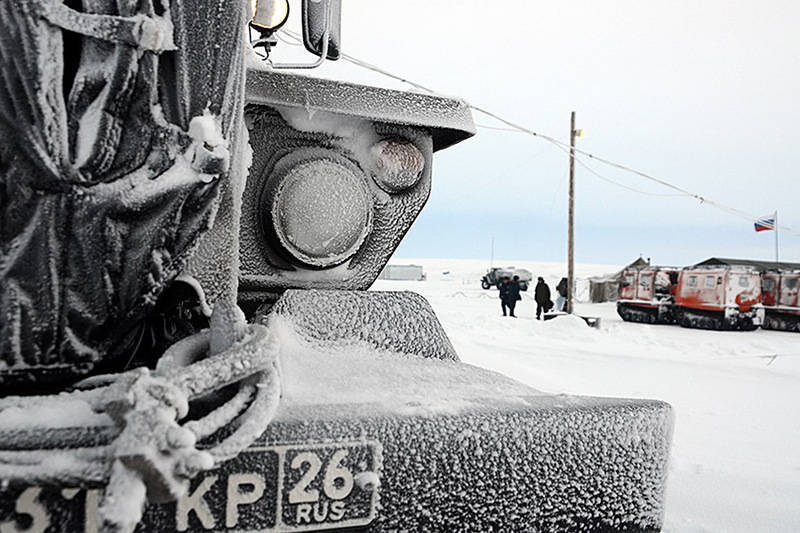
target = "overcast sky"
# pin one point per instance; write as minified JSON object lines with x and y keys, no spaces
{"x":701,"y":94}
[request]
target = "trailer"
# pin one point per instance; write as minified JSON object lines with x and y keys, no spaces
{"x":402,"y":273}
{"x":781,"y":302}
{"x":719,"y":298}
{"x":648,"y":295}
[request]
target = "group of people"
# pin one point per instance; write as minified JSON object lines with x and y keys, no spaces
{"x":510,"y":295}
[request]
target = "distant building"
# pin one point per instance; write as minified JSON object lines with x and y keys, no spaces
{"x":761,"y":266}
{"x":402,"y":273}
{"x":606,"y":288}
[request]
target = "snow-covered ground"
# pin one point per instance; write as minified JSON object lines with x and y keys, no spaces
{"x":735,"y":464}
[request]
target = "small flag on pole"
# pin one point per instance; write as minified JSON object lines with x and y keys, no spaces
{"x":765,"y":223}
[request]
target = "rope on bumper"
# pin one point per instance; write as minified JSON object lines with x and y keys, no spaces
{"x":150,"y":455}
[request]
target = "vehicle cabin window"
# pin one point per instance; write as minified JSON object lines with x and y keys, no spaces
{"x":692,"y":281}
{"x":710,"y":282}
{"x":791,"y":283}
{"x":645,"y":281}
{"x":744,"y":281}
{"x":629,"y":280}
{"x":769,"y":285}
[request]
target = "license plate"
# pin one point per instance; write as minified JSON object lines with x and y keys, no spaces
{"x":328,"y":485}
{"x":302,"y":487}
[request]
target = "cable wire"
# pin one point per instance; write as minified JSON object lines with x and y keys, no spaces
{"x":684,"y":192}
{"x":582,"y":163}
{"x":622,"y":185}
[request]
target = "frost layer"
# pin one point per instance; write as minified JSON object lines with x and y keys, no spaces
{"x":115,"y":157}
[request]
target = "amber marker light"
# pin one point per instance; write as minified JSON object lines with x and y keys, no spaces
{"x":269,"y":14}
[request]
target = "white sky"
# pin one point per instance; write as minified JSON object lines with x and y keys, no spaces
{"x":702,"y":94}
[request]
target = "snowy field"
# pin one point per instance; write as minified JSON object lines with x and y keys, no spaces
{"x":735,"y":464}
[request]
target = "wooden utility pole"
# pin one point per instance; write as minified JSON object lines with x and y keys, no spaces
{"x":571,"y":217}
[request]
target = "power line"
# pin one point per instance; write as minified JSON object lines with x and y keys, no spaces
{"x":622,"y":185}
{"x":369,"y":66}
{"x":512,"y":126}
{"x":684,"y":192}
{"x":588,"y":168}
{"x":591,"y":170}
{"x":496,"y":128}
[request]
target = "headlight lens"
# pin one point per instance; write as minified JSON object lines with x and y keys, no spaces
{"x":321,"y":212}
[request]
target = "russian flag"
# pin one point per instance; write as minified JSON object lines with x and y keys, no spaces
{"x":765,"y":224}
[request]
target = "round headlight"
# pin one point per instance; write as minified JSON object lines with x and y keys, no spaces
{"x":321,"y":212}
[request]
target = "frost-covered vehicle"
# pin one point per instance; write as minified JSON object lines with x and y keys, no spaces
{"x":780,"y":292}
{"x":648,"y":295}
{"x":198,"y":351}
{"x":494,"y":275}
{"x":719,"y":298}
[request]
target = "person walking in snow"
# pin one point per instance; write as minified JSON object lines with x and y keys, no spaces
{"x":502,"y":287}
{"x":542,"y":297}
{"x":562,"y":291}
{"x":511,"y":295}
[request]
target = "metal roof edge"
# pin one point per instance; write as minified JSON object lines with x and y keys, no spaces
{"x":449,"y":119}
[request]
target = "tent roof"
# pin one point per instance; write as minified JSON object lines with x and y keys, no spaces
{"x":638,"y":263}
{"x":754,"y":263}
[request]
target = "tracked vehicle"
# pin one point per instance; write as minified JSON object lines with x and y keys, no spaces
{"x":719,"y":298}
{"x":648,"y":295}
{"x":781,"y":302}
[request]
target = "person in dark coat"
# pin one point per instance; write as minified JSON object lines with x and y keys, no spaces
{"x":542,"y":297}
{"x":502,"y":287}
{"x":562,"y":290}
{"x":512,"y":295}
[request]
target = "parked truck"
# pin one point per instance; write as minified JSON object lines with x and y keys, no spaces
{"x":494,"y":275}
